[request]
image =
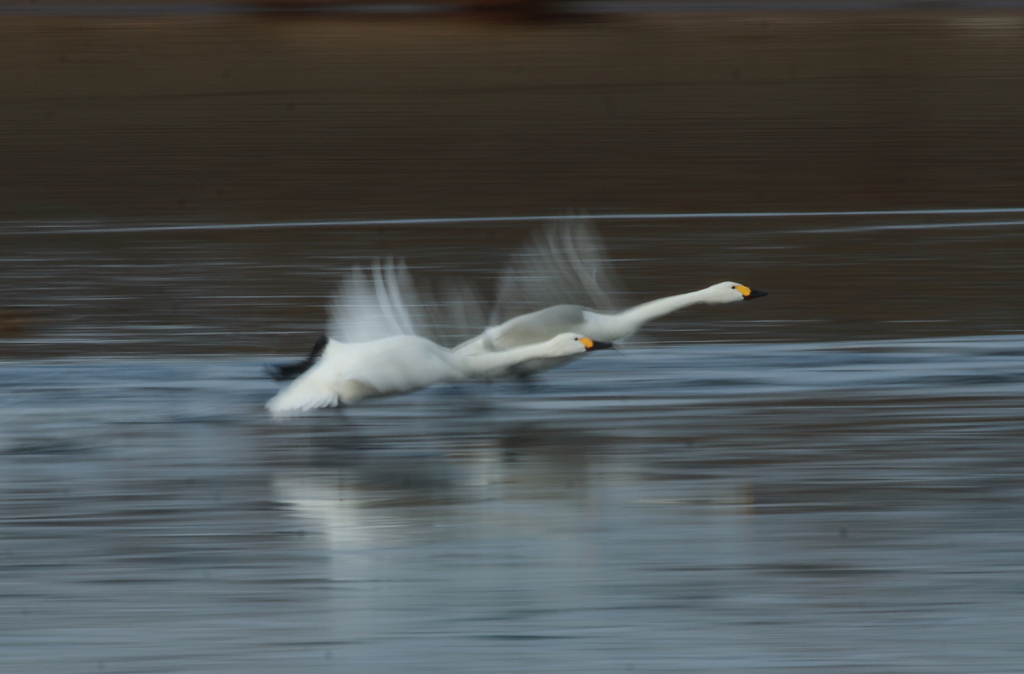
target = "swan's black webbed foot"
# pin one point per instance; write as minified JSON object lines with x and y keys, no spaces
{"x":288,"y":371}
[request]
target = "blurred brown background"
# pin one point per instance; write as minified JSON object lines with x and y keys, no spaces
{"x":263,"y":116}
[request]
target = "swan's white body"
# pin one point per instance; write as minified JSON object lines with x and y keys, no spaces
{"x":347,"y":373}
{"x":607,"y":327}
{"x":376,"y":348}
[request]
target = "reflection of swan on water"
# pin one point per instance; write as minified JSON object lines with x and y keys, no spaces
{"x":362,"y":498}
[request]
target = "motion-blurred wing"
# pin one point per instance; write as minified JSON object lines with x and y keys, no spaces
{"x":376,"y":303}
{"x":565,"y":263}
{"x":383,"y":301}
{"x":457,"y":314}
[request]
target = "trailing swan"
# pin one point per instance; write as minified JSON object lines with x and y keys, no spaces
{"x":347,"y":373}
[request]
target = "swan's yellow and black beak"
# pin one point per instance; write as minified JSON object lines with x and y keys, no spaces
{"x":591,"y":345}
{"x":749,"y":294}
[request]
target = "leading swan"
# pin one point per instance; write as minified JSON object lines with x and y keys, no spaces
{"x":565,"y":273}
{"x":610,"y":327}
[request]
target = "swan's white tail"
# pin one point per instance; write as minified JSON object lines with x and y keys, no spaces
{"x":302,"y":395}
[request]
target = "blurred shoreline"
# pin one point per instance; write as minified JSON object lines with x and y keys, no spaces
{"x":510,"y":8}
{"x":254,"y":118}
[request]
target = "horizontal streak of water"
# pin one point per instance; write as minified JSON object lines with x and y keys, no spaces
{"x":75,"y":227}
{"x":827,"y":506}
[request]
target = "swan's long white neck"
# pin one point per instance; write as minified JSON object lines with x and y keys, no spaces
{"x":624,"y":324}
{"x":496,"y":364}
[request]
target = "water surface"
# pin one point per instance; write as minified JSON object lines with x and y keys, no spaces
{"x":743,"y":497}
{"x":828,"y":479}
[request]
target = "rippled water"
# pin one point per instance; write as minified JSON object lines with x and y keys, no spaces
{"x":757,"y":493}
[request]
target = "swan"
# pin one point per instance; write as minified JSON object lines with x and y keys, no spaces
{"x":541,"y":325}
{"x":370,"y":305}
{"x":289,"y":371}
{"x":347,"y":373}
{"x":562,"y":280}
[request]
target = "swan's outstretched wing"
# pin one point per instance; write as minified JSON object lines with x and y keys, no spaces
{"x":457,"y":313}
{"x":565,"y":263}
{"x":383,"y":301}
{"x":375,"y":303}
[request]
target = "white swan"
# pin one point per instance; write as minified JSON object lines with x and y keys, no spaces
{"x":606,"y":327}
{"x":347,"y":373}
{"x":562,"y":280}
